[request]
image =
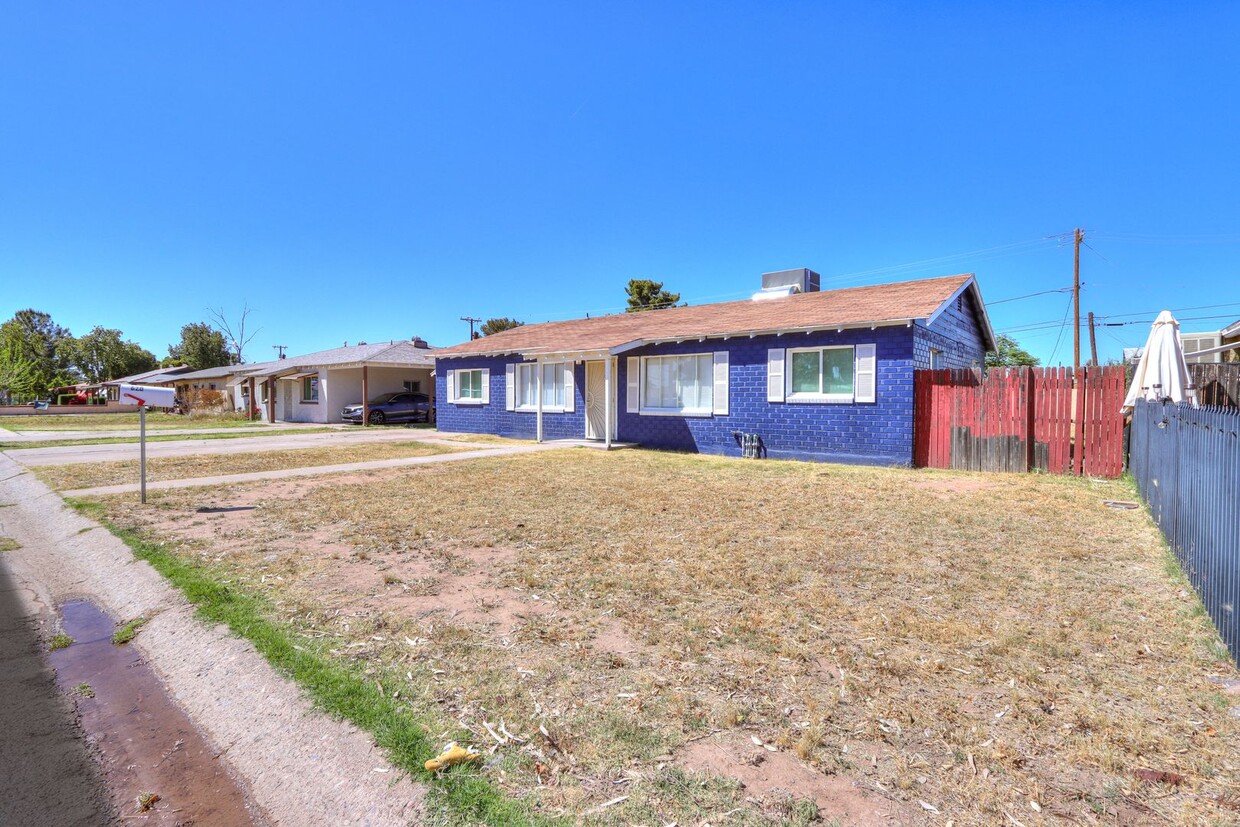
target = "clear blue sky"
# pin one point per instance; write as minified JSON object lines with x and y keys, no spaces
{"x":368,"y":171}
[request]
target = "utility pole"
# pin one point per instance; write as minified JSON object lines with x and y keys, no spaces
{"x":1093,"y":343}
{"x":280,"y":350}
{"x":472,"y":321}
{"x":1077,"y":237}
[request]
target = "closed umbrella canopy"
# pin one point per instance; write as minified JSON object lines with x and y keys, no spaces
{"x":1162,"y":372}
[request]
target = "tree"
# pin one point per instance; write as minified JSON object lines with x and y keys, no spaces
{"x":201,"y":347}
{"x":645,"y":294}
{"x":102,"y":355}
{"x":492,"y":326}
{"x":18,"y":374}
{"x":234,"y":332}
{"x":34,"y":354}
{"x":1008,"y":354}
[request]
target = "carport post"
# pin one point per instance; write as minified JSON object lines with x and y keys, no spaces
{"x":538,"y":366}
{"x":607,"y":403}
{"x":271,"y":401}
{"x":365,"y":398}
{"x":253,"y":403}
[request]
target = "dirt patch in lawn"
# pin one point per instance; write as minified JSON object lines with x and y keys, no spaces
{"x":90,"y":475}
{"x":776,"y":781}
{"x":963,"y":652}
{"x":956,"y":484}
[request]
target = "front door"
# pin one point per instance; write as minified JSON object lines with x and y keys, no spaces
{"x":595,"y":394}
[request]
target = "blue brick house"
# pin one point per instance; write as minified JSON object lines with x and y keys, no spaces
{"x":823,"y":375}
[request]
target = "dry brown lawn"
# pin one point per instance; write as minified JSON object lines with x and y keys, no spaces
{"x":90,"y":475}
{"x":893,"y":646}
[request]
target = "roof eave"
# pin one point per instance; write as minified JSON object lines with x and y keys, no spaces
{"x":988,"y":331}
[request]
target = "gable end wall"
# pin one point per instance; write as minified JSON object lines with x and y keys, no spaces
{"x":956,"y":333}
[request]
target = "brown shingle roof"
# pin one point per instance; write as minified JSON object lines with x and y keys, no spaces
{"x":849,"y":307}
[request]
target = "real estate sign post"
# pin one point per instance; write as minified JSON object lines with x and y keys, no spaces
{"x":145,"y":397}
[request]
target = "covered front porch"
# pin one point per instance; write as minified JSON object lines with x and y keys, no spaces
{"x":598,"y":397}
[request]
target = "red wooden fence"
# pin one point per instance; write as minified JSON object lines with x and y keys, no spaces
{"x":1020,"y":419}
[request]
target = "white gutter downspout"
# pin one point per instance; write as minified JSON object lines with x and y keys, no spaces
{"x":607,"y":403}
{"x":538,"y":416}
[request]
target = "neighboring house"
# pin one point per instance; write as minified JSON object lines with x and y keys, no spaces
{"x":317,"y":386}
{"x":816,"y":375}
{"x":1212,"y":346}
{"x":207,"y":379}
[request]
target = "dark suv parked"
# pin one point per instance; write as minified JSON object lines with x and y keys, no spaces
{"x":405,"y":406}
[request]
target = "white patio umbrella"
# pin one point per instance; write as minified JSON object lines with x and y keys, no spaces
{"x":1162,"y":372}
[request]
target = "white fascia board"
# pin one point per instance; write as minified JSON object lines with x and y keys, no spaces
{"x":988,"y":331}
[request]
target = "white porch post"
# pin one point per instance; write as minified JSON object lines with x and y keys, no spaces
{"x":607,"y":402}
{"x":538,"y":415}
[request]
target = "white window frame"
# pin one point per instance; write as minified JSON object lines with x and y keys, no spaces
{"x":483,"y":379}
{"x":647,"y":410}
{"x":313,"y":382}
{"x":936,"y":356}
{"x":819,"y":398}
{"x":528,"y":406}
{"x":412,"y":385}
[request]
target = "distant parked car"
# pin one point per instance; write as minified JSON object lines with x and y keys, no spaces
{"x":405,"y":406}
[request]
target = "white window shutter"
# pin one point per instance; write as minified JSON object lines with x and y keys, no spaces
{"x":570,"y":404}
{"x":775,"y":375}
{"x":865,"y":371}
{"x":634,"y":385}
{"x":510,"y":387}
{"x":451,"y":385}
{"x":486,"y":386}
{"x":720,"y":395}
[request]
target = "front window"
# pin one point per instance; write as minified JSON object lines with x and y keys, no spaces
{"x":552,"y":382}
{"x":678,"y":384}
{"x":310,"y":389}
{"x":821,"y":374}
{"x":469,"y":384}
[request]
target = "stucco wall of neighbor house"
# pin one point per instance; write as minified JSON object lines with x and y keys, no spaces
{"x":956,"y":334}
{"x":340,"y":387}
{"x":493,"y":418}
{"x":880,"y":432}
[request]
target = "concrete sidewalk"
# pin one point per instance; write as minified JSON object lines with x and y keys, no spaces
{"x":72,"y":454}
{"x":301,"y":766}
{"x":314,"y":470}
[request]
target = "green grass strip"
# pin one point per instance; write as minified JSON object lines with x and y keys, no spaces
{"x":336,"y":689}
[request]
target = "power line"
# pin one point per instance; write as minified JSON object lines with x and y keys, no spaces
{"x":1173,"y":310}
{"x":1030,"y":296}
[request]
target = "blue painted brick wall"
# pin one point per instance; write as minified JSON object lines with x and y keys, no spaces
{"x":492,"y":418}
{"x":875,"y":433}
{"x":879,"y":432}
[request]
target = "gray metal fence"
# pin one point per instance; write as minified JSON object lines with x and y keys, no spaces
{"x":1186,"y":462}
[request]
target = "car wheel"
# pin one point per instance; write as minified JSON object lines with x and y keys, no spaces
{"x":377,"y":418}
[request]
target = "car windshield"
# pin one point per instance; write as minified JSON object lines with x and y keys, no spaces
{"x":380,"y":400}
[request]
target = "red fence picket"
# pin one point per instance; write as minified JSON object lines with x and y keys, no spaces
{"x":1020,"y":419}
